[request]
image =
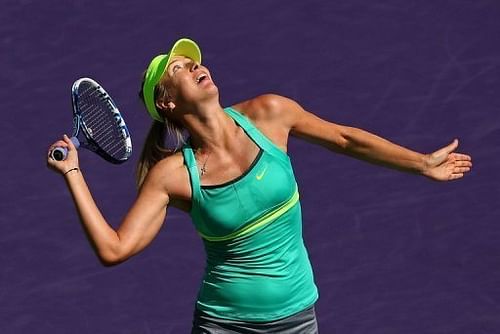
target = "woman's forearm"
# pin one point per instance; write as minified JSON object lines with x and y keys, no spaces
{"x":103,"y":237}
{"x":372,"y":148}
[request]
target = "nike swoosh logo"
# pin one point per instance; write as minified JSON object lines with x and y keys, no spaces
{"x":261,"y":174}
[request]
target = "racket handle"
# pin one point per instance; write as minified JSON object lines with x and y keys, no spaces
{"x":60,"y":153}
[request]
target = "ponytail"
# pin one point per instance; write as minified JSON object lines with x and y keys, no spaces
{"x":163,"y":139}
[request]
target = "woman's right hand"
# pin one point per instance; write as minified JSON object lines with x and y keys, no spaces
{"x":71,"y":161}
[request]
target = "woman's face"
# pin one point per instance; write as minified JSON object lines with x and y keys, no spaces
{"x":188,"y":81}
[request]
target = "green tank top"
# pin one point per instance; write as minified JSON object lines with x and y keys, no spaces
{"x":257,"y":266}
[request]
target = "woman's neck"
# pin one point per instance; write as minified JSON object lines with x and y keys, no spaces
{"x":211,"y":129}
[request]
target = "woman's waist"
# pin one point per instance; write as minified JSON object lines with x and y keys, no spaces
{"x":261,"y":294}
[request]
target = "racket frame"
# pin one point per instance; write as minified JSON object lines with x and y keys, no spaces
{"x":79,"y":126}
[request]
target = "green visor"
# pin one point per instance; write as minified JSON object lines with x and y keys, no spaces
{"x":183,"y":47}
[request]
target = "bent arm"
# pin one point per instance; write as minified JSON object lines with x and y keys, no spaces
{"x":137,"y":230}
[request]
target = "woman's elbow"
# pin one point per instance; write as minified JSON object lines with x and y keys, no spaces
{"x":109,"y":262}
{"x":112,"y":258}
{"x":349,"y":138}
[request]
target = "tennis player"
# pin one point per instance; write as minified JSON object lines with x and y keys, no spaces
{"x":233,"y":176}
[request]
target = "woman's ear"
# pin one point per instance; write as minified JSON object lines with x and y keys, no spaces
{"x":168,"y":106}
{"x":171,"y":105}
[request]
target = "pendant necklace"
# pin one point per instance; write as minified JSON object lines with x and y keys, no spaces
{"x":203,"y":169}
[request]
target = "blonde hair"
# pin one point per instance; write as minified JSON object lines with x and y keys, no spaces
{"x":163,"y":139}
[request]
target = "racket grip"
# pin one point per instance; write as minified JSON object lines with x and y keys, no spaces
{"x":60,"y":153}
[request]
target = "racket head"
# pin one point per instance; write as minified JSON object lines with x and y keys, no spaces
{"x":99,"y":120}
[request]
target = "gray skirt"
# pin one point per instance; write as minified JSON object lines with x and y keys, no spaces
{"x":301,"y":323}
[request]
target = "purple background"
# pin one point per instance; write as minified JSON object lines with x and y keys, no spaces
{"x":392,"y":253}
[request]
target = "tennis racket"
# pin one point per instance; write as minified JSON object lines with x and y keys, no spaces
{"x":96,"y":116}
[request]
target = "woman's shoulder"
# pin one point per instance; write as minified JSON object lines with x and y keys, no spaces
{"x":170,"y":173}
{"x":172,"y":164}
{"x":262,"y":107}
{"x":272,"y":114}
{"x":269,"y":109}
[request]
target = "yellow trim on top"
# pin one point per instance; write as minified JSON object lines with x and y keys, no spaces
{"x":268,"y":217}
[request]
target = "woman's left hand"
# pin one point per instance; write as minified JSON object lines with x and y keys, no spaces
{"x":446,"y":165}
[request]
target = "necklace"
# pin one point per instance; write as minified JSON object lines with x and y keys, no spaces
{"x":203,"y":169}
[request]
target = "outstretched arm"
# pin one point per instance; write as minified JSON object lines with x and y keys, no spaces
{"x":140,"y":225}
{"x":442,"y":165}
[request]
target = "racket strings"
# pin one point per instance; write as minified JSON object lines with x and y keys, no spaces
{"x":102,"y":122}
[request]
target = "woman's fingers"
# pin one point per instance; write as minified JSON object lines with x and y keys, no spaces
{"x":461,"y":169}
{"x":444,"y":164}
{"x":68,"y":141}
{"x":71,"y":160}
{"x":462,"y":159}
{"x":443,"y":154}
{"x":456,"y":176}
{"x":463,"y":163}
{"x":59,"y":143}
{"x":452,"y":147}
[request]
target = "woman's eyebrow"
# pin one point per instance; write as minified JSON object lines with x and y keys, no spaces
{"x":172,"y":63}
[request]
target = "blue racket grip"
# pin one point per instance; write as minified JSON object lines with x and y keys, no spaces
{"x":60,"y":153}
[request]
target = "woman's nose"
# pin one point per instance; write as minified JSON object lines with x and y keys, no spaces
{"x":195,"y":66}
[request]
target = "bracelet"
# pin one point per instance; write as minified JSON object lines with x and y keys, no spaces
{"x":72,"y":169}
